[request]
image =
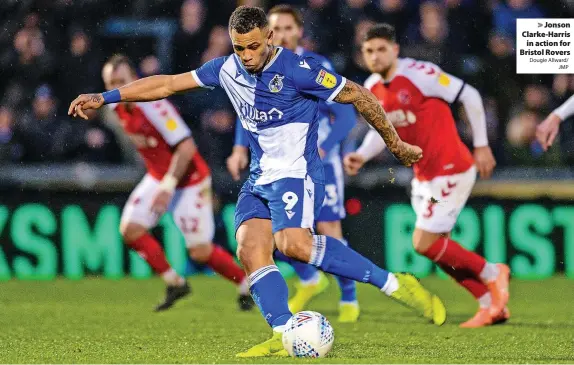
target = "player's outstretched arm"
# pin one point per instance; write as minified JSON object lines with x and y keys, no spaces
{"x":548,"y":130}
{"x":146,"y":89}
{"x":367,"y":104}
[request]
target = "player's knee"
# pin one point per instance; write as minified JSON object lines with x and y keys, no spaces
{"x":295,"y":243}
{"x":246,"y":252}
{"x":200,"y":252}
{"x":131,"y":231}
{"x":422,"y":240}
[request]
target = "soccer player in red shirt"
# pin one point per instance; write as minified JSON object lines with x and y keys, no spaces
{"x":178,"y":180}
{"x":416,"y":96}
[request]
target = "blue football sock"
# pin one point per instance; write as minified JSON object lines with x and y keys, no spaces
{"x":305,"y":271}
{"x":270,"y":293}
{"x":332,"y":256}
{"x":348,"y":286}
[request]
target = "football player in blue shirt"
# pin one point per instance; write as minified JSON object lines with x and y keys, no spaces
{"x":276,"y":93}
{"x":286,"y":23}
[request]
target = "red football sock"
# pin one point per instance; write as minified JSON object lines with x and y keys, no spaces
{"x":446,"y":252}
{"x":222,"y":263}
{"x":466,"y":280}
{"x":150,"y":250}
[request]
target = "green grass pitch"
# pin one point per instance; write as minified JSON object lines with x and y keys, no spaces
{"x":102,"y":321}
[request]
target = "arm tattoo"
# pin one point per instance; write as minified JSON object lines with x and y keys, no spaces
{"x":370,"y":108}
{"x":96,"y":98}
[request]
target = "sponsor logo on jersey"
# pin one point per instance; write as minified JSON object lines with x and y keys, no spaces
{"x":276,"y":83}
{"x":326,"y":79}
{"x":403,"y":96}
{"x":171,"y":125}
{"x":443,"y":79}
{"x":251,"y":115}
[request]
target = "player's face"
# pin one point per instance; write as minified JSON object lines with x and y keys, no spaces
{"x":379,"y":54}
{"x":114,"y":79}
{"x":253,"y":48}
{"x":286,"y":32}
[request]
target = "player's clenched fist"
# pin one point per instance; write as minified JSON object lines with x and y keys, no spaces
{"x":237,"y":162}
{"x":353,"y":163}
{"x":407,"y":153}
{"x":85,"y":102}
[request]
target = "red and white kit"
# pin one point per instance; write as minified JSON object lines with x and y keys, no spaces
{"x":156,"y":128}
{"x":417,"y":102}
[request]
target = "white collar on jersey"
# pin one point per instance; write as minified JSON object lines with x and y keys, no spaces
{"x":279,"y":50}
{"x":299,"y":50}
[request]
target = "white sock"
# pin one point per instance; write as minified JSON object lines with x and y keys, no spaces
{"x":313,"y":281}
{"x":170,"y":277}
{"x":279,"y":329}
{"x":391,"y":285}
{"x":353,"y":302}
{"x":485,"y":301}
{"x":489,"y":272}
{"x":243,"y":287}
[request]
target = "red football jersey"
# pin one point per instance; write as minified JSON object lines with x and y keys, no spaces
{"x":156,"y":128}
{"x":417,"y":101}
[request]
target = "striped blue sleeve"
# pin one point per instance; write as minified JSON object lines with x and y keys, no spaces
{"x":208,"y":74}
{"x":240,"y":135}
{"x":343,"y":122}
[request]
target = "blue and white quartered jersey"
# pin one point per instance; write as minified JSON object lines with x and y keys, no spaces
{"x":279,"y":108}
{"x":332,"y":132}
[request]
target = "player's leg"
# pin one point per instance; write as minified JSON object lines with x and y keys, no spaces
{"x":348,"y":305}
{"x":312,"y":282}
{"x":136,"y":220}
{"x":435,"y":219}
{"x":293,"y":204}
{"x":329,"y":224}
{"x":192,"y":209}
{"x":266,"y":284}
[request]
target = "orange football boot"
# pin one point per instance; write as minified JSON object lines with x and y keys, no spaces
{"x":481,"y":318}
{"x":502,"y":317}
{"x":498,"y":289}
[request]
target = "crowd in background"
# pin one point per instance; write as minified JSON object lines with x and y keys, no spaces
{"x":53,"y":50}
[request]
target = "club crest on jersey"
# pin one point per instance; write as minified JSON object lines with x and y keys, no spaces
{"x":326,"y":79}
{"x":276,"y":83}
{"x":404,"y":96}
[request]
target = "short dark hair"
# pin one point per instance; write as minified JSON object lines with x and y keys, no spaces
{"x":287,"y":9}
{"x":120,"y":59}
{"x":381,"y":30}
{"x":246,"y":18}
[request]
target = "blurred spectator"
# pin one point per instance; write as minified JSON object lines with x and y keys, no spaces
{"x":522,"y":147}
{"x":48,"y":138}
{"x":318,"y":20}
{"x":506,"y":13}
{"x":428,"y":41}
{"x":219,"y":44}
{"x":499,"y":76}
{"x":394,"y":12}
{"x":149,"y":66}
{"x":99,"y":143}
{"x":26,"y":65}
{"x":355,"y":69}
{"x":11,"y":147}
{"x":79,"y":68}
{"x":191,"y":38}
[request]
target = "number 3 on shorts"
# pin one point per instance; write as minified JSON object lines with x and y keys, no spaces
{"x":290,"y":199}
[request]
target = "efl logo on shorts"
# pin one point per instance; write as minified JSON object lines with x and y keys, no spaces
{"x":326,"y":79}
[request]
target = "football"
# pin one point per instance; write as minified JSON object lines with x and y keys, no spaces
{"x":308,"y":334}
